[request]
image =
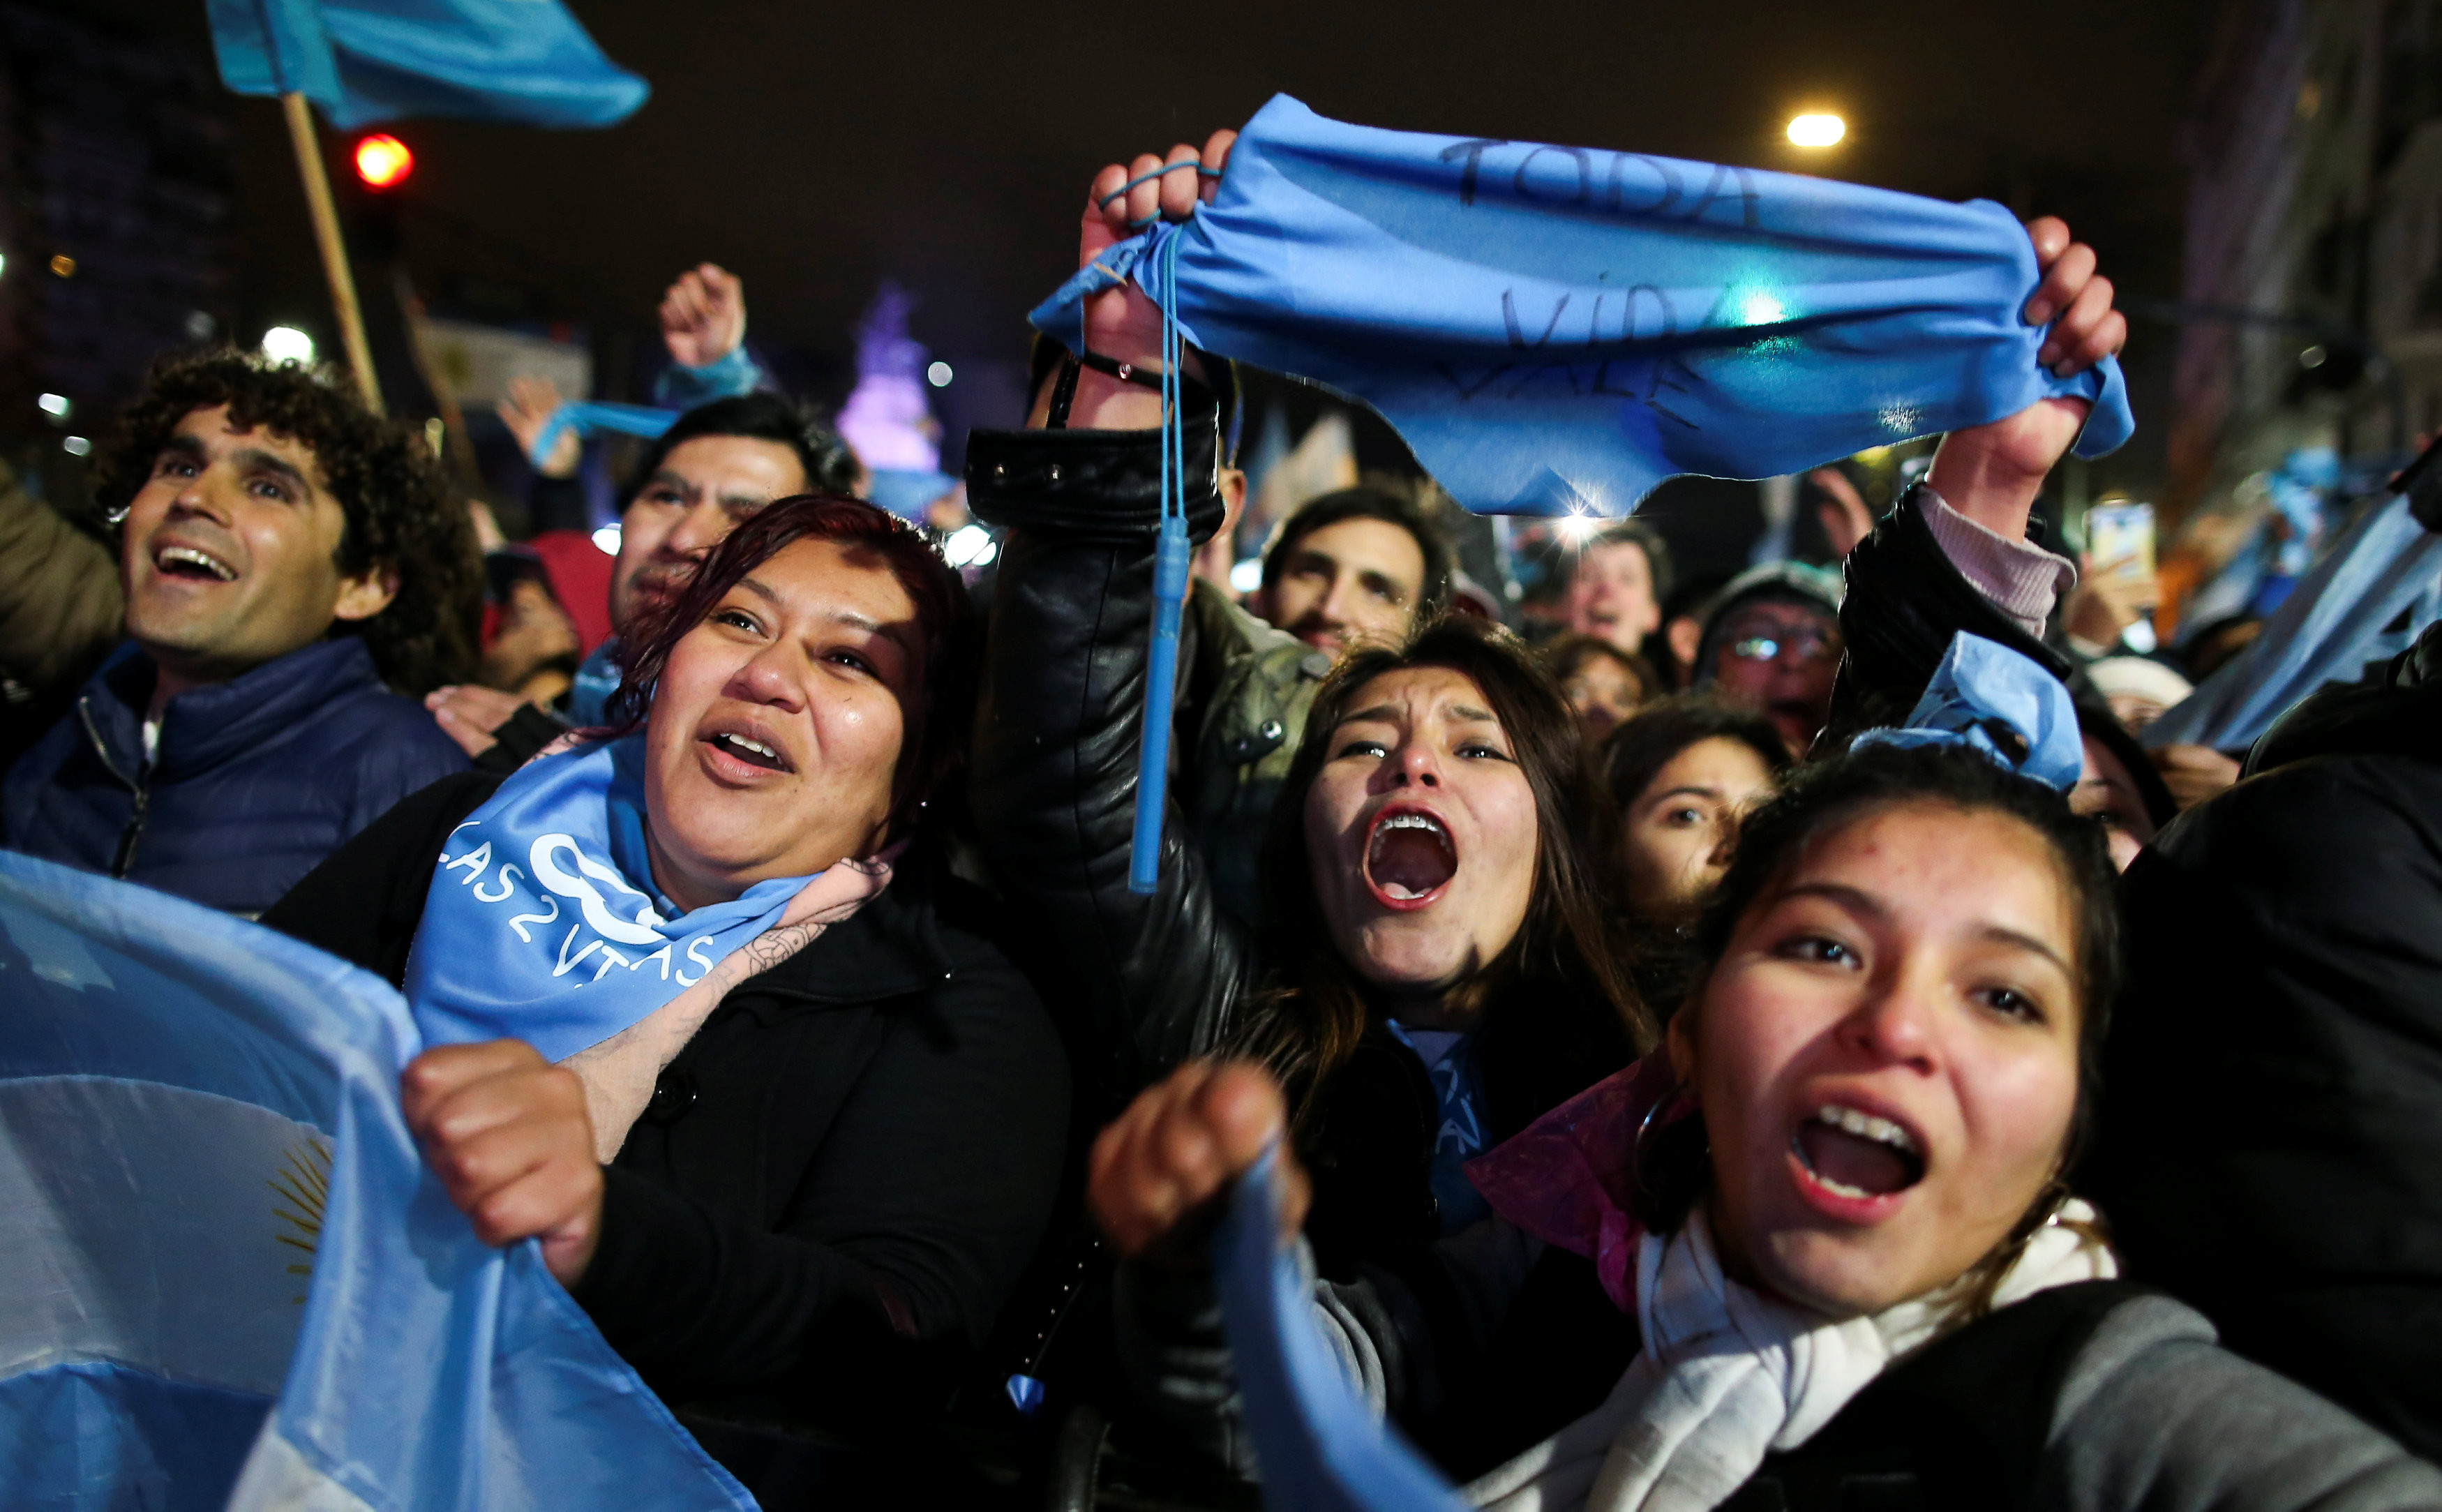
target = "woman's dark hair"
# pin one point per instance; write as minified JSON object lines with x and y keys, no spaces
{"x":1561,"y":955}
{"x":829,"y":467}
{"x":1831,"y":794}
{"x":399,"y":512}
{"x":1365,"y":501}
{"x":1564,"y":655}
{"x":873,"y":537}
{"x":1647,"y":740}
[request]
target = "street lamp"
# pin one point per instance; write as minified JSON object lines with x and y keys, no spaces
{"x":1816,"y":129}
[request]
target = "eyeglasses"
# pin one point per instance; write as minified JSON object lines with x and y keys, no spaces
{"x":1807,"y":647}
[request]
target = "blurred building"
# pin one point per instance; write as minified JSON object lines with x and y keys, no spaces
{"x":115,"y":194}
{"x":2312,"y":282}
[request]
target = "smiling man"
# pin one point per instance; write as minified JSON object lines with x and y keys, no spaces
{"x":1362,"y":564}
{"x":288,"y":561}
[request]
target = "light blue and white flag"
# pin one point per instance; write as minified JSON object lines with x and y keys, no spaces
{"x":366,"y":61}
{"x":1319,"y":1445}
{"x":2366,"y":601}
{"x":1559,"y":329}
{"x":229,"y":1279}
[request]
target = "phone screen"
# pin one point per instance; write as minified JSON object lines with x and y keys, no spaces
{"x":2119,"y":540}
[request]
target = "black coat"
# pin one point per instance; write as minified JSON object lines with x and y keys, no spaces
{"x":1154,"y":981}
{"x":861,"y":1144}
{"x":2270,"y":1145}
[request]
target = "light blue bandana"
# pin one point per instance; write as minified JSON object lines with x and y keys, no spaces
{"x":1559,"y":329}
{"x":542,"y":922}
{"x":1999,"y":703}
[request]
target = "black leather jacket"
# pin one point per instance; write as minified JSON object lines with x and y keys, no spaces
{"x":1904,"y":603}
{"x":1142,"y":983}
{"x":1146,"y":982}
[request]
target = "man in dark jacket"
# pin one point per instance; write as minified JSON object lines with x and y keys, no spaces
{"x":285,"y":555}
{"x":2269,"y":1147}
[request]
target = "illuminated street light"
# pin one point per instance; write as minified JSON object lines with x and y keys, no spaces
{"x":1816,"y":130}
{"x":285,"y":344}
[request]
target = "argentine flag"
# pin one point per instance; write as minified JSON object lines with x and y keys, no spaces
{"x":228,"y":1279}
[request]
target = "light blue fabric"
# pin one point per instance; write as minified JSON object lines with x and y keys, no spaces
{"x":1999,"y":703}
{"x":366,"y":61}
{"x":1556,"y":329}
{"x":905,"y":491}
{"x":592,"y":417}
{"x":218,"y":1224}
{"x":682,"y":388}
{"x":597,"y":677}
{"x":1320,"y":1450}
{"x":560,"y":847}
{"x":2368,"y":600}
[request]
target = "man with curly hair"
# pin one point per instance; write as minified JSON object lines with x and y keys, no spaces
{"x":292,"y":565}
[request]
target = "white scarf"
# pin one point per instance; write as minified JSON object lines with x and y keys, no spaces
{"x":1728,"y":1375}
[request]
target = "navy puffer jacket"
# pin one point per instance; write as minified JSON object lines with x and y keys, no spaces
{"x":254,"y":780}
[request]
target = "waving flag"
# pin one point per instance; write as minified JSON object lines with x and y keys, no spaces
{"x":226,"y":1265}
{"x":1320,"y":1447}
{"x":1557,"y":329}
{"x":364,"y":60}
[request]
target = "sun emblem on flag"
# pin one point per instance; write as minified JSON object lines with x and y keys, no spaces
{"x":302,"y":1188}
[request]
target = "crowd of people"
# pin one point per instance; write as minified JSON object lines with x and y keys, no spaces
{"x":1702,"y":1077}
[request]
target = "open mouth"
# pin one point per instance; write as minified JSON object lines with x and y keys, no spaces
{"x":186,"y":561}
{"x":1409,"y":857}
{"x":1856,"y":1155}
{"x":747,"y":749}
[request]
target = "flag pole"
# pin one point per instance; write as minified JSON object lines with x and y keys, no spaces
{"x":335,"y":251}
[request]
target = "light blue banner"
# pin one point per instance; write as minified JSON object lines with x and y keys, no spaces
{"x":366,"y":61}
{"x":1319,"y":1446}
{"x":1559,"y":329}
{"x":2368,"y":600}
{"x":232,"y":1279}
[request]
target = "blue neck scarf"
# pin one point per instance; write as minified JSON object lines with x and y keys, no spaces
{"x":1557,"y":330}
{"x":542,"y":922}
{"x":2001,"y":705}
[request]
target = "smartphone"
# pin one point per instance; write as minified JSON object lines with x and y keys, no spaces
{"x":2119,"y":540}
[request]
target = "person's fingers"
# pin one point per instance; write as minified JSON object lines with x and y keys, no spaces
{"x":1179,"y":188}
{"x":2050,"y":234}
{"x":1241,"y":1106}
{"x":1144,"y":200}
{"x":433,"y":1076}
{"x":2077,"y":321}
{"x":2062,"y":281}
{"x":1101,"y":209}
{"x":2109,"y":334}
{"x":550,"y":1187}
{"x":1132,"y":1199}
{"x":1216,"y":159}
{"x":725,"y":287}
{"x":1128,"y":1184}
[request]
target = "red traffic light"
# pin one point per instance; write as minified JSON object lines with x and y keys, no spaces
{"x":382,"y":161}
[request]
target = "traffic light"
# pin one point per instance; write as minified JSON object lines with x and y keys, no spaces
{"x":383,"y":161}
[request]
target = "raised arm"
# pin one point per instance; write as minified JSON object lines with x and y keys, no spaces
{"x":1147,"y":981}
{"x":1953,"y":554}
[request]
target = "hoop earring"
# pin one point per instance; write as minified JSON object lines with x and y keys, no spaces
{"x":1671,"y":1100}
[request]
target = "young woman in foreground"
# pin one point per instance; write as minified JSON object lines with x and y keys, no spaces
{"x":1861,"y":1271}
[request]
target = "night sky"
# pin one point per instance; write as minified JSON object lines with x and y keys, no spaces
{"x":818,"y":148}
